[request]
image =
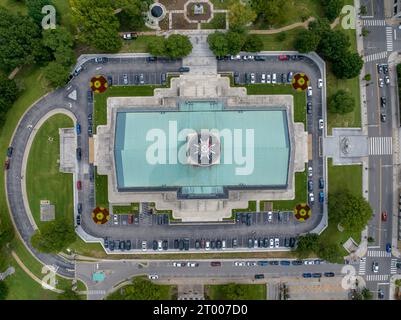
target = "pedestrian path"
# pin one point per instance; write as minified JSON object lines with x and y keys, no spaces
{"x":376,"y":56}
{"x":362,"y":267}
{"x":374,"y":23}
{"x":380,"y":146}
{"x":379,"y":254}
{"x":389,"y":38}
{"x":377,"y":277}
{"x":393,"y":268}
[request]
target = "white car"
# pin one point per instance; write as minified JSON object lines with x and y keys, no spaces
{"x":153,"y":277}
{"x":251,"y":57}
{"x":310,"y":170}
{"x":311,"y":198}
{"x":115,"y":219}
{"x":276,"y":242}
{"x":308,"y":262}
{"x":309,"y":92}
{"x":320,"y":83}
{"x":274,"y":78}
{"x":252,"y":78}
{"x":223,"y":244}
{"x":321,"y":124}
{"x":268,"y":78}
{"x":160,"y":245}
{"x":270,"y":216}
{"x":263,"y":80}
{"x":381,"y":83}
{"x":144,"y":245}
{"x":255,"y":243}
{"x":192,"y":264}
{"x":251,"y":263}
{"x":239,"y":263}
{"x":375,"y":267}
{"x":271,"y":243}
{"x":207,"y":245}
{"x":178,"y":264}
{"x":387,"y":79}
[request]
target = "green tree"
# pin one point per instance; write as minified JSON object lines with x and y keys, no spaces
{"x":341,"y":102}
{"x":218,"y":43}
{"x":332,"y":8}
{"x":68,"y":294}
{"x":351,"y":211}
{"x":348,"y":66}
{"x":271,"y":12}
{"x":240,"y":16}
{"x":329,"y":252}
{"x":334,"y":45}
{"x":130,"y":16}
{"x":97,"y":23}
{"x":20,"y":37}
{"x":156,"y":46}
{"x":141,"y":289}
{"x":59,"y":41}
{"x":306,"y":41}
{"x":235,"y":42}
{"x":8,"y":94}
{"x":233,"y":291}
{"x":320,"y":26}
{"x":34,"y":8}
{"x":253,"y":43}
{"x":177,"y":46}
{"x":366,"y":294}
{"x":3,"y":290}
{"x":54,"y":236}
{"x":307,"y":245}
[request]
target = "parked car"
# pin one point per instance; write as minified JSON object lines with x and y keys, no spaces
{"x":115,"y":219}
{"x":129,"y":35}
{"x":387,"y":80}
{"x":385,"y":68}
{"x":263,"y":78}
{"x":181,"y":244}
{"x":285,"y":263}
{"x":379,"y":68}
{"x":321,"y":183}
{"x":192,"y":264}
{"x":269,"y":78}
{"x":234,"y":243}
{"x":297,"y":262}
{"x":79,"y":185}
{"x":310,"y":171}
{"x":251,"y":263}
{"x":381,"y":82}
{"x":176,"y":243}
{"x":78,"y":70}
{"x":179,"y":264}
{"x":79,"y":154}
{"x":154,"y":245}
{"x":236,"y":78}
{"x":78,"y":128}
{"x":163,"y":78}
{"x":255,"y":243}
{"x":223,"y":244}
{"x":165,"y":245}
{"x":289,"y":77}
{"x":292,"y":242}
{"x":101,"y":59}
{"x":321,"y":196}
{"x":106,"y":242}
{"x":388,"y":248}
{"x":259,"y":276}
{"x":310,"y":185}
{"x":329,"y":274}
{"x":110,"y":80}
{"x":250,"y":243}
{"x":380,"y":294}
{"x":153,"y":277}
{"x":239,"y":264}
{"x":263,"y":263}
{"x":128,"y":245}
{"x":271,"y":243}
{"x":311,"y":198}
{"x":274,"y":262}
{"x":286,"y":242}
{"x":384,"y":216}
{"x":207,"y":245}
{"x":79,"y":208}
{"x":309,"y":92}
{"x":130,"y":219}
{"x":274,"y":78}
{"x":260,"y":58}
{"x":197,"y":244}
{"x":321,"y":124}
{"x":320,"y":83}
{"x":265,"y":242}
{"x":248,"y":219}
{"x":316,"y":275}
{"x":283,"y":57}
{"x":307,"y":275}
{"x":78,"y":219}
{"x":121,"y":245}
{"x":151,"y":59}
{"x":276,"y":242}
{"x":383,"y":101}
{"x":144,"y":245}
{"x":125,"y":78}
{"x":186,"y":244}
{"x":112,"y":245}
{"x":215,"y":263}
{"x":252,"y":78}
{"x":141,"y":79}
{"x":383,"y":117}
{"x":7,"y":164}
{"x":309,"y":107}
{"x":10,"y":151}
{"x":90,"y":130}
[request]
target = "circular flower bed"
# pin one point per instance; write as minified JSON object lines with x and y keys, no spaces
{"x":98,"y":84}
{"x":100,"y":215}
{"x":302,"y":212}
{"x":300,"y":82}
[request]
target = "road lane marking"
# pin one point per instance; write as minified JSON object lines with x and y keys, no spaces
{"x":389,"y":38}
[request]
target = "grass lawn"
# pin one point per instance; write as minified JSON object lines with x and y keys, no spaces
{"x":251,"y":291}
{"x":280,"y":41}
{"x":133,"y":208}
{"x":44,"y":180}
{"x":140,"y":44}
{"x":101,"y":190}
{"x":299,"y":97}
{"x":218,"y":22}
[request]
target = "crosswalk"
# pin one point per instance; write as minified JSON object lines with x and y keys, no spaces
{"x":376,"y":56}
{"x":374,"y":23}
{"x":379,"y":254}
{"x":389,"y":38}
{"x":380,"y":146}
{"x":393,"y":268}
{"x":377,"y":277}
{"x":362,"y":267}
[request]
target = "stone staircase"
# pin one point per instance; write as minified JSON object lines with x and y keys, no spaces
{"x":201,"y":60}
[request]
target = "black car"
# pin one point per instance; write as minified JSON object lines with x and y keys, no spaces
{"x":286,"y":242}
{"x":213,"y":244}
{"x":265,"y":242}
{"x":151,"y":59}
{"x":121,"y":245}
{"x":274,"y":263}
{"x":292,"y":242}
{"x":136,"y":79}
{"x":316,"y":275}
{"x":285,"y":263}
{"x":154,"y":245}
{"x":310,"y":185}
{"x":90,"y":96}
{"x":238,"y":217}
{"x":165,"y":219}
{"x":183,"y":69}
{"x":78,"y":219}
{"x":259,"y":276}
{"x":380,"y":294}
{"x":218,"y":244}
{"x":260,"y":58}
{"x":383,"y":101}
{"x":385,"y":68}
{"x":165,"y":245}
{"x":91,"y":173}
{"x":197,"y":244}
{"x":236,"y":77}
{"x":248,"y":219}
{"x":111,"y":245}
{"x":181,"y":245}
{"x":186,"y":244}
{"x":9,"y":152}
{"x":106,"y":242}
{"x":383,"y":117}
{"x":128,"y":244}
{"x":79,"y":154}
{"x":329,"y":274}
{"x":90,"y":117}
{"x":90,"y":130}
{"x":260,"y":242}
{"x":163,"y":78}
{"x":296,"y":262}
{"x":243,"y":217}
{"x":110,"y":80}
{"x":176,"y":244}
{"x":234,"y":242}
{"x":321,"y":183}
{"x":79,"y":208}
{"x":309,"y":107}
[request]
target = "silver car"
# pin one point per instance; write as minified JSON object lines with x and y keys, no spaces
{"x":125,"y":78}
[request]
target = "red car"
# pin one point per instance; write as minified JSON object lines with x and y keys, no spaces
{"x":384,"y":216}
{"x":130,"y":218}
{"x":79,"y":185}
{"x":283,"y":57}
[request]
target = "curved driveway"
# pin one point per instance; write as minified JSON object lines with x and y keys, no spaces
{"x":81,"y":108}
